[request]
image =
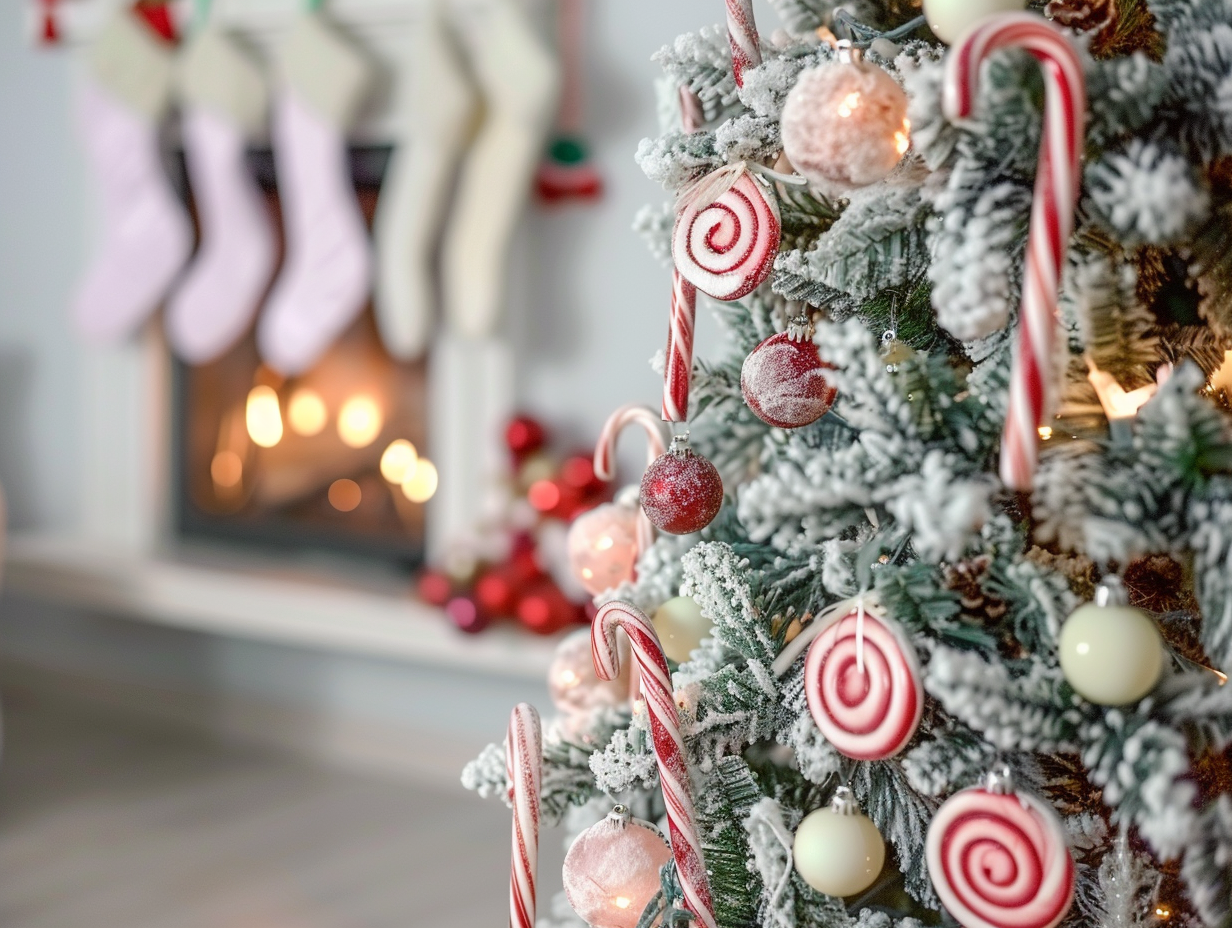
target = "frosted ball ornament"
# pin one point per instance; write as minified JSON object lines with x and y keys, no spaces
{"x":844,"y":125}
{"x":573,"y":683}
{"x":949,"y":19}
{"x":602,"y":547}
{"x":681,"y":491}
{"x":681,"y":627}
{"x":784,"y":381}
{"x":839,"y":851}
{"x":612,"y":870}
{"x":1111,"y":653}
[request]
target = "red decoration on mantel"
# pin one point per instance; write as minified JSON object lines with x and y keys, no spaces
{"x":158,"y":17}
{"x":49,"y":34}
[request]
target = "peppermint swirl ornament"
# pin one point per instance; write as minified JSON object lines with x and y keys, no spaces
{"x":863,"y":683}
{"x":727,"y":234}
{"x":998,"y":859}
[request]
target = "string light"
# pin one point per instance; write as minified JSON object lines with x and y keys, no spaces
{"x":307,"y":413}
{"x":420,"y":486}
{"x":227,"y":470}
{"x":360,"y":421}
{"x":345,"y":495}
{"x":849,"y":105}
{"x":1045,"y":432}
{"x":263,"y":417}
{"x":398,"y":461}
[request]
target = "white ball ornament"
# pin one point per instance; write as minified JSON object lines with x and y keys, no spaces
{"x":949,"y":19}
{"x":612,"y":870}
{"x":839,"y":851}
{"x":681,"y":627}
{"x":845,"y":125}
{"x":1111,"y":653}
{"x":572,"y":681}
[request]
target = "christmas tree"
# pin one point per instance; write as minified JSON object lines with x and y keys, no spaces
{"x":954,"y":645}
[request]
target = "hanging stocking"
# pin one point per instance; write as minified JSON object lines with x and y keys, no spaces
{"x":519,"y":79}
{"x":225,"y":101}
{"x":438,"y":105}
{"x":147,"y":235}
{"x":327,"y":271}
{"x":567,"y":172}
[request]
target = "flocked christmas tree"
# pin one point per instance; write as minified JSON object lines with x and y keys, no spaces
{"x":954,"y":646}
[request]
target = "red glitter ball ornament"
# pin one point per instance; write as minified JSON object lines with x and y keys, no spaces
{"x":524,"y":436}
{"x":682,"y":492}
{"x":465,"y":613}
{"x":783,"y":380}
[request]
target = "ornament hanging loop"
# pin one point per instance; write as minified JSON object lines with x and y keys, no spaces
{"x":1000,"y":780}
{"x":1111,"y":592}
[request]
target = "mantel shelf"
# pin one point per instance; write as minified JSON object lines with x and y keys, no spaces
{"x":288,"y":605}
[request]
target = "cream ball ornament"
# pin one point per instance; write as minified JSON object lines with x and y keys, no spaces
{"x":681,"y":627}
{"x":1111,"y":653}
{"x":612,"y":870}
{"x":949,"y":19}
{"x":839,"y":851}
{"x":845,"y":125}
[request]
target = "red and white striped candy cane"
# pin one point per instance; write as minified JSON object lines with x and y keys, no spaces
{"x":524,"y":767}
{"x":1052,"y":213}
{"x":668,"y":742}
{"x":678,"y":362}
{"x":742,"y":32}
{"x":605,"y":454}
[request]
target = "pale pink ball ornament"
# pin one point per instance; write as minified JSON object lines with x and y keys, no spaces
{"x":845,"y":124}
{"x":573,"y":683}
{"x":603,"y":547}
{"x":612,"y":870}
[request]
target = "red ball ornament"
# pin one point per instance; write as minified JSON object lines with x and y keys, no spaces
{"x":682,"y":492}
{"x":784,"y":381}
{"x":497,"y":591}
{"x":524,"y":436}
{"x":434,"y":587}
{"x":544,"y":609}
{"x":465,"y":613}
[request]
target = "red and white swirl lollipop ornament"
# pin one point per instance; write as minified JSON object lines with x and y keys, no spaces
{"x":999,"y":859}
{"x":783,"y":380}
{"x":727,"y":233}
{"x":863,"y":682}
{"x":681,"y":491}
{"x":1057,"y":185}
{"x":656,"y":684}
{"x":524,"y":769}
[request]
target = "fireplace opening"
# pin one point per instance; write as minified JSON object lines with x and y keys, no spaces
{"x":332,"y":460}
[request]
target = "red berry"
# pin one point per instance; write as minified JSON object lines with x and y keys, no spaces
{"x":783,"y":380}
{"x":682,"y":492}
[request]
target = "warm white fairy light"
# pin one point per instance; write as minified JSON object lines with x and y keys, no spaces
{"x":306,"y":412}
{"x":420,"y":485}
{"x":850,"y":104}
{"x":360,"y":421}
{"x":398,"y":461}
{"x":263,"y":416}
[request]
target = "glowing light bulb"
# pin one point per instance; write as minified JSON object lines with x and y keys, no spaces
{"x":568,"y":679}
{"x":622,"y":902}
{"x":1045,"y":432}
{"x":227,"y":469}
{"x":345,"y":495}
{"x":902,"y":139}
{"x":398,"y":461}
{"x":307,"y":413}
{"x":263,"y":416}
{"x":360,"y":421}
{"x":604,"y":543}
{"x":420,"y":485}
{"x":850,"y":104}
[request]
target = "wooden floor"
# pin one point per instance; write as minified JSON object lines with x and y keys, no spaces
{"x":110,"y":822}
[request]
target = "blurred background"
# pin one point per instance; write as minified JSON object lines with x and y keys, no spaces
{"x":310,"y":315}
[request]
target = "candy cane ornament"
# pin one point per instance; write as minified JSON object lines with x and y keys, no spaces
{"x":524,"y":768}
{"x":999,"y":859}
{"x":678,"y":359}
{"x":1052,"y":212}
{"x":742,"y":33}
{"x":605,"y":454}
{"x":668,"y":742}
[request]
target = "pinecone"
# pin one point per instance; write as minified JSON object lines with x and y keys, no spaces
{"x":1083,"y":15}
{"x":965,"y":578}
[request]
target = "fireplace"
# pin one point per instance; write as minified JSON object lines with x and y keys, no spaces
{"x":335,"y":459}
